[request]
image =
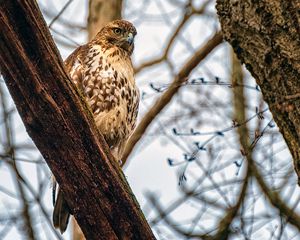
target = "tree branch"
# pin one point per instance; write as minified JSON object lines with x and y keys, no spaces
{"x":62,"y":128}
{"x":247,"y":149}
{"x":243,"y":133}
{"x":189,"y":12}
{"x":265,"y":36}
{"x":101,"y":12}
{"x":290,"y":214}
{"x":27,"y":228}
{"x":163,"y":101}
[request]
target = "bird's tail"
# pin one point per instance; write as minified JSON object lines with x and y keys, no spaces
{"x":61,"y":213}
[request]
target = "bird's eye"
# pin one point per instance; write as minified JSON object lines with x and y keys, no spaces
{"x":117,"y":31}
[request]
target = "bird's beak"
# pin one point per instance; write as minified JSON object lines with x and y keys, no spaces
{"x":130,"y":38}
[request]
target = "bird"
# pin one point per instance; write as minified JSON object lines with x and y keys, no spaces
{"x":102,"y":72}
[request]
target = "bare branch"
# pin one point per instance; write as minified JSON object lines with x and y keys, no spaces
{"x":272,"y":57}
{"x":163,"y":101}
{"x":27,"y":228}
{"x":62,"y":128}
{"x":291,"y":216}
{"x":60,"y":13}
{"x":189,"y":12}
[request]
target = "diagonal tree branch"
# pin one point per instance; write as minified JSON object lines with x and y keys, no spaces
{"x":100,"y":13}
{"x":290,"y":214}
{"x":189,"y":12}
{"x":62,"y":128}
{"x":163,"y":101}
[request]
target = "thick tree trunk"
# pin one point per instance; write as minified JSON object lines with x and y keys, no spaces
{"x":265,"y":36}
{"x":62,"y":128}
{"x":102,"y":12}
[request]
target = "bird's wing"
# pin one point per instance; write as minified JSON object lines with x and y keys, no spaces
{"x":75,"y":67}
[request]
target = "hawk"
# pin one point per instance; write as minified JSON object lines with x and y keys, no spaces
{"x":102,"y":71}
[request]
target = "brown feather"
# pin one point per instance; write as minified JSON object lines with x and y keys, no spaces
{"x":103,"y":72}
{"x":61,"y":213}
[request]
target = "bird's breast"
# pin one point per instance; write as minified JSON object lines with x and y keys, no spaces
{"x":112,"y":95}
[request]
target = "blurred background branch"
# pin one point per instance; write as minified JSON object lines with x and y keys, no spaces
{"x":210,"y":162}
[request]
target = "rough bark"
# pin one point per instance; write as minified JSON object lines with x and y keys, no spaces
{"x":62,"y":128}
{"x":101,"y":12}
{"x":265,"y":36}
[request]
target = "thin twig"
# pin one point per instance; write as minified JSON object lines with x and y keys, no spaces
{"x":60,"y":12}
{"x":163,"y":101}
{"x":28,"y":228}
{"x":190,"y":11}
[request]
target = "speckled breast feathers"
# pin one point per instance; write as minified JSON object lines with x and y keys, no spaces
{"x":103,"y":72}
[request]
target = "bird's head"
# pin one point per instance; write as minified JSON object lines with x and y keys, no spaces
{"x":119,"y":33}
